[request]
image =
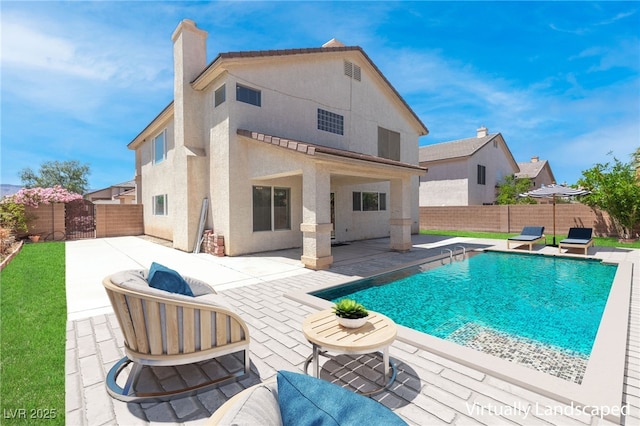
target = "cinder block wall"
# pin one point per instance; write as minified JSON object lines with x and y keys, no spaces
{"x":116,"y":220}
{"x":513,"y":218}
{"x":112,"y":220}
{"x":47,"y":221}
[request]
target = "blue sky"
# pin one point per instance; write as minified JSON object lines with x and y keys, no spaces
{"x":559,"y":80}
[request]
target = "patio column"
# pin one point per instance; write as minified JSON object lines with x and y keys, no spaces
{"x":400,"y":221}
{"x":316,"y":223}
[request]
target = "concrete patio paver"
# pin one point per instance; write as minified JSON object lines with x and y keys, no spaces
{"x":428,"y":389}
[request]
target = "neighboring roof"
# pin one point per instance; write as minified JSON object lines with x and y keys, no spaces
{"x":204,"y":78}
{"x":531,"y":169}
{"x":130,"y":184}
{"x":312,"y":149}
{"x":462,"y":148}
{"x":454,"y":149}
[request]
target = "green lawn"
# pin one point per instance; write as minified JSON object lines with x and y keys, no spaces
{"x":33,"y":314}
{"x":598,"y":241}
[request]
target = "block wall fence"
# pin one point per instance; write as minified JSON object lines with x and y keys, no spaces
{"x":112,"y":220}
{"x":115,"y":220}
{"x":512,"y":218}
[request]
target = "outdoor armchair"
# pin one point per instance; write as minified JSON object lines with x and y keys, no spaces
{"x":530,"y":235}
{"x":161,"y":328}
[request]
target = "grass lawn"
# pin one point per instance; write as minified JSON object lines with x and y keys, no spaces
{"x":33,"y":315}
{"x":598,"y":241}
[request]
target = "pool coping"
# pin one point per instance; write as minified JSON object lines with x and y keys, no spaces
{"x":599,"y":394}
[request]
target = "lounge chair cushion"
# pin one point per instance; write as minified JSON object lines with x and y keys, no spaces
{"x":305,"y":400}
{"x":167,"y":279}
{"x":136,"y":280}
{"x":529,"y":233}
{"x":579,"y":236}
{"x":259,"y":406}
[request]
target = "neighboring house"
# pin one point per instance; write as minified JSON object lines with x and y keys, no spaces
{"x":538,"y":171}
{"x":122,"y":193}
{"x":465,"y":172}
{"x":292,"y":148}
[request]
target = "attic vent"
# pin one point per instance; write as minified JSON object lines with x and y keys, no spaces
{"x":352,"y":70}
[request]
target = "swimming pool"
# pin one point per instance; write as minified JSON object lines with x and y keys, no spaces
{"x":530,"y":302}
{"x":513,"y":358}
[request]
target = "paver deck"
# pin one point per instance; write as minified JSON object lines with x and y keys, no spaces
{"x":428,"y":389}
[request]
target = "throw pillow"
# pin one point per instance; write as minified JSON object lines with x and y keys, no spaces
{"x":167,"y":279}
{"x":305,"y":400}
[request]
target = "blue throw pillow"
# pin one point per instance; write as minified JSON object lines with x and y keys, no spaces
{"x":167,"y":279}
{"x":305,"y":400}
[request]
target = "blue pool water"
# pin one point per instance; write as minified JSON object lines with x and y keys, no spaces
{"x":553,"y":300}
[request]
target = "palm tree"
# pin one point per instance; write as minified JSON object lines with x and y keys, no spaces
{"x":636,"y":161}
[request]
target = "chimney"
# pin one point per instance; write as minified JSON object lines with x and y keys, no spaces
{"x":535,"y":159}
{"x":333,"y":43}
{"x":482,"y":132}
{"x":189,"y":60}
{"x":189,"y":168}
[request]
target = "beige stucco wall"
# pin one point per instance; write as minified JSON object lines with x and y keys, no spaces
{"x":291,"y":93}
{"x":157,"y":180}
{"x":225,"y":166}
{"x":445,"y":184}
{"x":455,"y":183}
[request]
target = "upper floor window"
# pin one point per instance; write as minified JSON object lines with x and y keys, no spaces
{"x":330,"y":122}
{"x":160,"y":147}
{"x":220,"y":95}
{"x":388,"y":144}
{"x":160,"y":207}
{"x":248,"y":95}
{"x":482,"y":175}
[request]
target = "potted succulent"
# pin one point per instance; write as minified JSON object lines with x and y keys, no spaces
{"x":350,"y":313}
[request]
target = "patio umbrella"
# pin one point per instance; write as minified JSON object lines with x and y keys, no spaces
{"x":553,"y":191}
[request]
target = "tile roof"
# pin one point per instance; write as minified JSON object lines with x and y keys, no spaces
{"x":312,"y":149}
{"x":454,"y":149}
{"x":531,"y":169}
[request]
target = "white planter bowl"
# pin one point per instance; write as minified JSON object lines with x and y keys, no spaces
{"x":352,"y":323}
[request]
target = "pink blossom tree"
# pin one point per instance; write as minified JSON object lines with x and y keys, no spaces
{"x":36,"y":196}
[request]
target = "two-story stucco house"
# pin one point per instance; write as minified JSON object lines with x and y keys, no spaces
{"x":465,"y":172}
{"x":538,"y":171}
{"x":292,"y":148}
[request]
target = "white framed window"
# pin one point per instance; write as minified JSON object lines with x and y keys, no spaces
{"x":220,"y":95}
{"x":159,"y":146}
{"x":160,"y":205}
{"x":369,"y":201}
{"x":271,"y":208}
{"x":482,"y":175}
{"x":248,"y":95}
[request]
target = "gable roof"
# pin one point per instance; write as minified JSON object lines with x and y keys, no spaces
{"x":217,"y":65}
{"x":455,"y":149}
{"x":531,"y":169}
{"x":461,"y":149}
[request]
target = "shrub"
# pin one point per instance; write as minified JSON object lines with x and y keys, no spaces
{"x":13,"y":216}
{"x":6,"y":241}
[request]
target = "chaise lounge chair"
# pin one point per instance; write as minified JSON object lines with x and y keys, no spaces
{"x":529,"y":236}
{"x":163,"y":328}
{"x":577,"y":238}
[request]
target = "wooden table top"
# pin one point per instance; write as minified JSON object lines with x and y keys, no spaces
{"x":322,"y":328}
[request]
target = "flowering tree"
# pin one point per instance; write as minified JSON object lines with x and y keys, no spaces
{"x":36,"y":196}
